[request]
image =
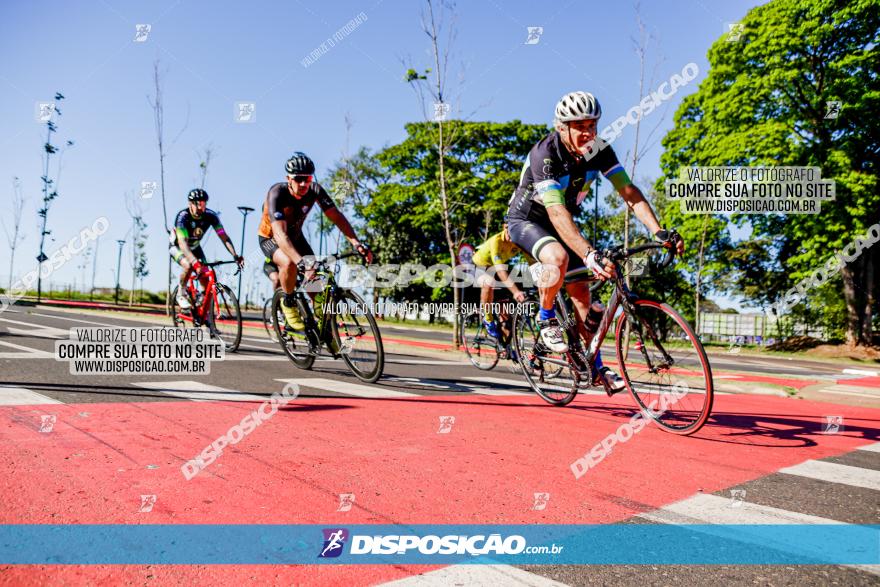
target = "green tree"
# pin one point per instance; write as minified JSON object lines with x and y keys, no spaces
{"x":764,"y":102}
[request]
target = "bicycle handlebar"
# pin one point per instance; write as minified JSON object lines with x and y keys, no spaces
{"x":618,"y":253}
{"x":216,"y":263}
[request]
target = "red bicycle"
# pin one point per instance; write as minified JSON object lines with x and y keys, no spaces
{"x":215,"y":306}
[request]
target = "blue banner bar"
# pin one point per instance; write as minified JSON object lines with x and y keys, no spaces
{"x":629,"y":543}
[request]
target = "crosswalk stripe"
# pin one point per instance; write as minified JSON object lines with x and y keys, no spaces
{"x":199,"y":392}
{"x":477,"y":576}
{"x":20,"y":396}
{"x":353,"y":389}
{"x":871,"y":447}
{"x":714,"y":509}
{"x":499,"y":381}
{"x":36,"y":329}
{"x":527,"y":389}
{"x":36,"y":353}
{"x":836,"y":473}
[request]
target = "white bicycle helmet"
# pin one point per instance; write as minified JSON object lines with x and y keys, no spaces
{"x":578,"y":106}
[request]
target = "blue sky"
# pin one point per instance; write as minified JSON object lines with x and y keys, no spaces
{"x":214,"y":54}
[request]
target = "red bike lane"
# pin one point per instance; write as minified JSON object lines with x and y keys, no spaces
{"x":398,"y":458}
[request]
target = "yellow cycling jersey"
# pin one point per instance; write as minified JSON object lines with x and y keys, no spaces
{"x":497,"y":251}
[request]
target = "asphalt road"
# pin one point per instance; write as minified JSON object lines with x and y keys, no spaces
{"x":392,"y":446}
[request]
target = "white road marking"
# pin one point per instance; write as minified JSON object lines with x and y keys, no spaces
{"x":198,"y":391}
{"x":499,"y":380}
{"x":95,"y":323}
{"x":20,"y":396}
{"x":353,"y":389}
{"x":34,"y":353}
{"x":836,"y":473}
{"x":714,"y":509}
{"x":36,"y":329}
{"x":871,"y":447}
{"x":476,"y":576}
{"x":863,"y":372}
{"x":426,"y":362}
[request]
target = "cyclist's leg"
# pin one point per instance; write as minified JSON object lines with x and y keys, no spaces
{"x":305,"y":250}
{"x":545,"y":246}
{"x":270,"y":270}
{"x":579,"y":291}
{"x":186,"y":266}
{"x":487,"y":295}
{"x":286,"y":280}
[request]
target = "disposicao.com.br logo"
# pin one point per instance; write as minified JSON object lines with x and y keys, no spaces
{"x":432,"y":544}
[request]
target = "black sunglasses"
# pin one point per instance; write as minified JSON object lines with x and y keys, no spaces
{"x":301,"y":178}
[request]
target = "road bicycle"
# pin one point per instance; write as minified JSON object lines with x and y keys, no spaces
{"x":485,"y":350}
{"x":215,"y":306}
{"x":343,"y":323}
{"x":659,"y":356}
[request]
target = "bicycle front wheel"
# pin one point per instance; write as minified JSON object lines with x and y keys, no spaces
{"x":179,"y":316}
{"x":481,"y":348}
{"x":357,"y":336}
{"x":550,"y":375}
{"x":269,"y":320}
{"x":224,"y":318}
{"x":295,"y":344}
{"x":665,"y":367}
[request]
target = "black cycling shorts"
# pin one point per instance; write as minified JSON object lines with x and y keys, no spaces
{"x":532,"y":237}
{"x":177,"y":254}
{"x":269,"y":246}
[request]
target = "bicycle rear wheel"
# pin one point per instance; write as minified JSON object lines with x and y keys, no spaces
{"x":481,"y":348}
{"x":295,"y":344}
{"x":224,"y":318}
{"x":665,"y":367}
{"x":357,"y":335}
{"x":555,"y":383}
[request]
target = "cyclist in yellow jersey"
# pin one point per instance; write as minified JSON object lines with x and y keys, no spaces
{"x":495,"y":253}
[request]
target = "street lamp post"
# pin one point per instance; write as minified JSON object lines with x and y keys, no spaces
{"x":118,"y":265}
{"x":244,"y":212}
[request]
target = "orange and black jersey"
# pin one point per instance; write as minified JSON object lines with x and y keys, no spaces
{"x":280,"y":204}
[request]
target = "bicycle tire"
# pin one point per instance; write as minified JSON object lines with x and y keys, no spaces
{"x":692,"y":414}
{"x":230,"y":314}
{"x":481,"y":349}
{"x":295,"y":345}
{"x":268,"y":320}
{"x":174,"y":310}
{"x":556,"y":391}
{"x":353,"y":325}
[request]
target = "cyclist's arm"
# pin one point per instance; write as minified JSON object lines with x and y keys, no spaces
{"x":227,"y":242}
{"x":503,"y":276}
{"x":339,"y":219}
{"x":565,"y":226}
{"x":636,"y":201}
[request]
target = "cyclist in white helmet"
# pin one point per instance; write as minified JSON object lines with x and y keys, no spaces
{"x":555,"y":180}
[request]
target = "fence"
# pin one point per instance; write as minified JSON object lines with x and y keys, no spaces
{"x":750,"y":328}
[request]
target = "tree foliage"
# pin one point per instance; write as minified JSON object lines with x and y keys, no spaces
{"x":764,"y":102}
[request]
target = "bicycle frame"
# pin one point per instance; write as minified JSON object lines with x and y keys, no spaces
{"x":621,"y":296}
{"x":201,"y":311}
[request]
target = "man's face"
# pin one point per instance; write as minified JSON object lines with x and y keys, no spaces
{"x":579,"y":133}
{"x":198,"y":208}
{"x":299,"y":184}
